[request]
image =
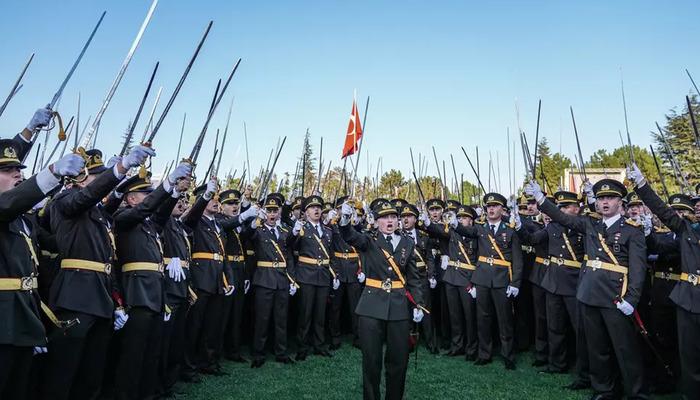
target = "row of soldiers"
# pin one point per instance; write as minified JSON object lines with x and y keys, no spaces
{"x":170,"y":273}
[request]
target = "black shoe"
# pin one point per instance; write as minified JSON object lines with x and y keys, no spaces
{"x":577,"y":385}
{"x":300,"y":356}
{"x":323,"y":353}
{"x":286,"y":359}
{"x":454,"y":353}
{"x":470,"y":357}
{"x":552,"y":370}
{"x":482,"y":361}
{"x":539,"y":363}
{"x":334,"y":346}
{"x":237,"y":359}
{"x":510,"y":365}
{"x":257,"y":363}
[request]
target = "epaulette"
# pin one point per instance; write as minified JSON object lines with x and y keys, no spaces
{"x":511,"y":225}
{"x":630,"y":221}
{"x":284,"y":229}
{"x":661,"y":229}
{"x":480,"y":222}
{"x":301,"y":232}
{"x":594,"y":215}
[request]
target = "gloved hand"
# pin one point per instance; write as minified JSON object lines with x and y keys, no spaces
{"x":425,"y":218}
{"x":175,"y":271}
{"x":515,"y":218}
{"x":370,"y":217}
{"x":251,"y":212}
{"x":298,"y":225}
{"x":452,"y":219}
{"x":635,"y":175}
{"x":417,"y":315}
{"x":479,"y":211}
{"x":444,"y":260}
{"x":588,"y":189}
{"x":433,"y":282}
{"x":137,"y":156}
{"x":648,"y":224}
{"x":229,"y":290}
{"x":40,"y":119}
{"x":120,"y":318}
{"x":212,"y":185}
{"x":292,"y":289}
{"x":512,"y":291}
{"x":625,"y":307}
{"x":361,"y":277}
{"x":336,"y":284}
{"x":472,"y":291}
{"x":40,"y":350}
{"x":113,"y":161}
{"x":184,"y":169}
{"x":332,"y":215}
{"x":262,"y":214}
{"x":246,"y":286}
{"x":533,"y":189}
{"x":166,"y":316}
{"x":68,"y":165}
{"x":346,"y":212}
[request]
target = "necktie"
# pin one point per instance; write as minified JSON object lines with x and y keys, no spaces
{"x":391,"y":243}
{"x":274,"y":232}
{"x":493,"y":229}
{"x":319,"y":230}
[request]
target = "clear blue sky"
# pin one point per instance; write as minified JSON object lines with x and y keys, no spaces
{"x":439,"y":73}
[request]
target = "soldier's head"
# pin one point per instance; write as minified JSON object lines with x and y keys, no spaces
{"x":495,"y":206}
{"x":10,"y":165}
{"x":435,"y":209}
{"x":180,"y":207}
{"x":94,"y":165}
{"x":409,"y":215}
{"x":567,"y":202}
{"x":213,"y":206}
{"x":682,"y":204}
{"x":312,"y":206}
{"x":136,"y":189}
{"x":466,"y":215}
{"x":609,"y":194}
{"x":386,"y":217}
{"x":532,"y":206}
{"x":635,"y":206}
{"x":272,"y":210}
{"x":230,"y":202}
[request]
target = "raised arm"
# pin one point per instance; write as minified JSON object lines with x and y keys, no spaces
{"x":574,"y":222}
{"x":87,"y":197}
{"x":353,"y":238}
{"x":531,"y":235}
{"x":657,"y":206}
{"x":130,"y":217}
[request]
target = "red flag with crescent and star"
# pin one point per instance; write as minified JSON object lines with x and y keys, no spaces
{"x":352,"y":138}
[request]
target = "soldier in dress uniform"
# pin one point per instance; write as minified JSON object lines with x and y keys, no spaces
{"x":384,"y":309}
{"x":85,"y":288}
{"x":347,"y":267}
{"x":686,"y":292}
{"x":610,"y":286}
{"x":497,"y":277}
{"x":425,"y":262}
{"x":460,"y":293}
{"x":436,"y":208}
{"x":140,"y":269}
{"x":530,"y":323}
{"x":23,"y":333}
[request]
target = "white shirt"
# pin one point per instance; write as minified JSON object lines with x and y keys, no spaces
{"x":218,"y":230}
{"x":611,"y":221}
{"x":395,"y":239}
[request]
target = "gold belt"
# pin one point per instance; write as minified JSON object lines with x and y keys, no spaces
{"x":183,"y":263}
{"x":597,"y":264}
{"x":346,"y":256}
{"x":235,"y":258}
{"x":385,"y":285}
{"x":563,"y":261}
{"x":207,"y":256}
{"x":667,"y":276}
{"x":142,"y":266}
{"x":494,"y":261}
{"x":459,"y":264}
{"x":541,"y":260}
{"x":272,"y":264}
{"x":14,"y":284}
{"x":693,"y":279}
{"x":73,"y":263}
{"x":314,"y":261}
{"x":420,"y":264}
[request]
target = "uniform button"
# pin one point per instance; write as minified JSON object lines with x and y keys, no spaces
{"x":600,"y":249}
{"x":562,"y":246}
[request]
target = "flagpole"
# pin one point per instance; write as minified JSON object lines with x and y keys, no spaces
{"x":359,"y":150}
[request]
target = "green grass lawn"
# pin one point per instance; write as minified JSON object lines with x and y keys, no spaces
{"x":340,"y":378}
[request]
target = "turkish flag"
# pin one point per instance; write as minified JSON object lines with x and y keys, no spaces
{"x":352,"y":138}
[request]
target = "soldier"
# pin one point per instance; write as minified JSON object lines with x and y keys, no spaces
{"x":313,"y":242}
{"x":272,"y":281}
{"x":686,"y":292}
{"x":23,"y":333}
{"x":425,"y":262}
{"x":529,"y":306}
{"x":436,"y":207}
{"x":497,"y":277}
{"x":85,"y":288}
{"x":139,"y":251}
{"x":393,"y":287}
{"x":459,"y":291}
{"x":610,"y":286}
{"x":347,"y":267}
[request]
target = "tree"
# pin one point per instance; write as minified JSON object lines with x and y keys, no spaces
{"x":550,"y":167}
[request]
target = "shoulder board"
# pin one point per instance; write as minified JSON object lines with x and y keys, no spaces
{"x":630,"y":221}
{"x":659,"y":229}
{"x":283,"y":229}
{"x":511,"y":225}
{"x":480,"y":222}
{"x":594,"y":215}
{"x":301,"y":232}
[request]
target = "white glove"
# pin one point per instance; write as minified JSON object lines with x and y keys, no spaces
{"x":246,"y":286}
{"x":120,"y":318}
{"x":512,"y":291}
{"x":332,"y":214}
{"x":432,"y":282}
{"x":137,"y":156}
{"x":472,"y":292}
{"x":533,"y":189}
{"x":515,"y":219}
{"x":588,"y":189}
{"x":249,"y":213}
{"x":346,"y":213}
{"x":175,"y":271}
{"x":336,"y":284}
{"x":297,"y":227}
{"x":370,"y":217}
{"x":479,"y":211}
{"x":229,"y":290}
{"x":113,"y":161}
{"x":425,"y":218}
{"x":361,"y":277}
{"x":452,"y":219}
{"x":166,"y":316}
{"x":635,"y":175}
{"x":417,"y":315}
{"x":443,"y":262}
{"x":69,"y":165}
{"x":625,"y":307}
{"x":40,"y":119}
{"x":40,"y":350}
{"x":181,"y":171}
{"x":262,"y":214}
{"x":292,"y":289}
{"x":212,"y":185}
{"x":647,"y":223}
